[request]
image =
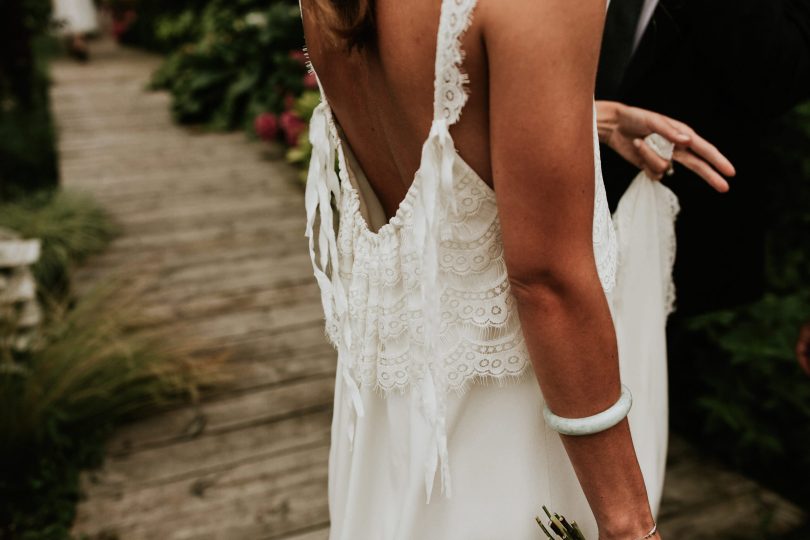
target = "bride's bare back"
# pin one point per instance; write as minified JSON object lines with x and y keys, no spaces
{"x":382,"y":96}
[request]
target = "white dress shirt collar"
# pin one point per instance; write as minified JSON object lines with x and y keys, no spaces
{"x":646,"y":15}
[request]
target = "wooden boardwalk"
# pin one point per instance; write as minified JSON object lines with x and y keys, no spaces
{"x":215,"y":227}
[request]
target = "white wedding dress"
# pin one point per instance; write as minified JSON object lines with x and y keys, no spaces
{"x":75,"y":16}
{"x":435,"y":385}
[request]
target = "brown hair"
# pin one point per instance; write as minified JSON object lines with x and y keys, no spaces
{"x":348,"y":22}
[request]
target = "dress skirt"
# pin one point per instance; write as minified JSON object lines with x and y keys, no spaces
{"x":75,"y":16}
{"x":505,"y":463}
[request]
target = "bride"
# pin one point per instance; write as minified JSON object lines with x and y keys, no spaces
{"x":479,"y":373}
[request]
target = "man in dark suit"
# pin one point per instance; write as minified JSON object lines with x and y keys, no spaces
{"x":726,"y":68}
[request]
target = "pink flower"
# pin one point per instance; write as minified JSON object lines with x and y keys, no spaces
{"x":289,"y":101}
{"x":122,"y":22}
{"x":292,"y":125}
{"x":299,"y":56}
{"x":266,"y":126}
{"x":310,"y":81}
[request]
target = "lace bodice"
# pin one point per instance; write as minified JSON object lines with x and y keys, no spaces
{"x":423,"y":305}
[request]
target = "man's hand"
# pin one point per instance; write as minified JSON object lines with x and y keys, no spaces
{"x":803,"y":347}
{"x":624,"y":128}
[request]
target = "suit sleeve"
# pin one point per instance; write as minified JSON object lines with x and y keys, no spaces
{"x":761,"y":49}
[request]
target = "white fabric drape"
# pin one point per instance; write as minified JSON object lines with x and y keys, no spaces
{"x":75,"y":16}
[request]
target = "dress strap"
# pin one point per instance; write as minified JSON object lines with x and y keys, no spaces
{"x":322,"y":187}
{"x":437,"y":199}
{"x":450,"y":93}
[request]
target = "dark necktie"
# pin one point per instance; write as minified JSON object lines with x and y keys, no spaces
{"x":617,"y":46}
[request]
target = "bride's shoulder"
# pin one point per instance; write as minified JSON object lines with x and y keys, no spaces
{"x":534,"y":20}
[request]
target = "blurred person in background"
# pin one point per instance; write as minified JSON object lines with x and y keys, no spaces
{"x":727,"y":68}
{"x":76,"y":19}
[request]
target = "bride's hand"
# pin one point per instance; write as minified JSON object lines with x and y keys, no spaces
{"x":624,"y":128}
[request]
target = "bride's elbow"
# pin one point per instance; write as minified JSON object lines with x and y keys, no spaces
{"x":546,"y":288}
{"x":555,"y":286}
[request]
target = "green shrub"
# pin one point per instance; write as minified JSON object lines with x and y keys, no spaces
{"x":28,"y":159}
{"x":160,"y":26}
{"x":71,"y":226}
{"x":300,"y":154}
{"x":240,"y":65}
{"x":741,"y":393}
{"x":86,"y":373}
{"x":60,"y":401}
{"x":27,"y":143}
{"x":756,"y":402}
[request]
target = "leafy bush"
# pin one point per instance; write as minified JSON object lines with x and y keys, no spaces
{"x":60,"y":401}
{"x":71,"y":226}
{"x":757,"y":404}
{"x":85,"y":374}
{"x":741,"y":393}
{"x":158,"y":25}
{"x":300,"y":154}
{"x":27,"y":146}
{"x":240,"y":66}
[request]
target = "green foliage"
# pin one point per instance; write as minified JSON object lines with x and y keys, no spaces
{"x":71,"y":226}
{"x":160,"y":26}
{"x":757,"y":403}
{"x":300,"y":154}
{"x":789,"y":261}
{"x":745,"y":397}
{"x":87,"y":373}
{"x":27,"y":147}
{"x":239,"y":66}
{"x":58,"y":403}
{"x":21,"y":23}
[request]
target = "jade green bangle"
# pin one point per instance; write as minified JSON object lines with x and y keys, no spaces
{"x":591,"y":424}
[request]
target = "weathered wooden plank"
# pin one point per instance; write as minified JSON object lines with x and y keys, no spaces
{"x":209,"y":233}
{"x":229,"y":413}
{"x":235,"y":325}
{"x":207,"y":454}
{"x":282,"y":244}
{"x":210,"y":207}
{"x":224,"y":219}
{"x":265,"y":498}
{"x":703,"y":501}
{"x":319,"y":534}
{"x":216,"y":234}
{"x":294,"y":342}
{"x":164,"y":183}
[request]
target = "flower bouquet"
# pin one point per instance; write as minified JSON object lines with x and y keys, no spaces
{"x":560,"y":527}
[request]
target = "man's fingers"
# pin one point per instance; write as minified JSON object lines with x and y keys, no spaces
{"x":661,"y":125}
{"x":702,"y":169}
{"x":706,"y":150}
{"x":652,"y":161}
{"x":710,"y":153}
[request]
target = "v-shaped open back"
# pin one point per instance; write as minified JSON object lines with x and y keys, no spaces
{"x":423,"y":306}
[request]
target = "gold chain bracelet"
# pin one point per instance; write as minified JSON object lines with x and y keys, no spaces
{"x":652,"y":532}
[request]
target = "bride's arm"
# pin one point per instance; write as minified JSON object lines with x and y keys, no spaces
{"x":542,"y":57}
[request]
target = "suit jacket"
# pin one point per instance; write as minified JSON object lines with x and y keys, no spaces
{"x":727,"y":68}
